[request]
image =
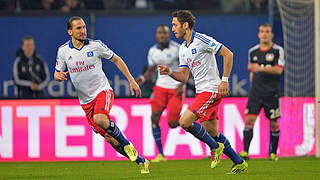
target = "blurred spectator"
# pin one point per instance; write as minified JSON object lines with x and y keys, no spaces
{"x":94,"y":4}
{"x":258,"y":4}
{"x":7,"y":5}
{"x":187,"y":4}
{"x":39,"y":4}
{"x":165,"y":4}
{"x":235,"y":5}
{"x":70,"y":5}
{"x":118,"y":4}
{"x":30,"y":72}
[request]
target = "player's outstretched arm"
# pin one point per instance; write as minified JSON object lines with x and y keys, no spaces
{"x":125,"y":71}
{"x":60,"y":76}
{"x":182,"y":75}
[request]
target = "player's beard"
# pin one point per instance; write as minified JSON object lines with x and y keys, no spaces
{"x":81,"y":39}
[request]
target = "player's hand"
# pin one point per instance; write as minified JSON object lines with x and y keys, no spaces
{"x":164,"y":70}
{"x":134,"y":87}
{"x":34,"y":86}
{"x":61,"y":76}
{"x":223,"y":89}
{"x":255,"y":67}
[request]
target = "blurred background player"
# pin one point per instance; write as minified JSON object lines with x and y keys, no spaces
{"x":167,"y":93}
{"x":197,"y":55}
{"x":82,"y":57}
{"x":30,"y":71}
{"x":266,"y":63}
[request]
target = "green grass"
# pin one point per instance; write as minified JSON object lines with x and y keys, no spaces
{"x":259,"y":169}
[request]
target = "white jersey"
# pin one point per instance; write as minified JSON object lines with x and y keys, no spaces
{"x":168,"y":56}
{"x":200,"y":58}
{"x":85,"y":67}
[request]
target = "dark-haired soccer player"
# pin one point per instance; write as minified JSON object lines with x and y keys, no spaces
{"x":82,"y":57}
{"x":197,"y":56}
{"x":266,"y":63}
{"x":167,"y":93}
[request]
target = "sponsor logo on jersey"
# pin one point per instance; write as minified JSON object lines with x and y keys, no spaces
{"x":194,"y":51}
{"x":90,"y":54}
{"x":193,"y":64}
{"x":269,"y":57}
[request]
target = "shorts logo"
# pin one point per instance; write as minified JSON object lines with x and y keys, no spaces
{"x":269,"y":57}
{"x":90,"y":53}
{"x":194,"y":51}
{"x":70,"y":58}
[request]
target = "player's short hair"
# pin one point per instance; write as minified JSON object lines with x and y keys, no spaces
{"x":69,"y":23}
{"x":266,"y":25}
{"x":185,"y":16}
{"x":27,"y":37}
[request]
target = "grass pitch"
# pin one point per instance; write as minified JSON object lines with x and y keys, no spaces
{"x":259,"y":169}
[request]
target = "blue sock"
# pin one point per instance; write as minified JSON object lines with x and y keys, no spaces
{"x":236,"y":159}
{"x":199,"y":132}
{"x":120,"y":149}
{"x":156,"y":132}
{"x":115,"y":132}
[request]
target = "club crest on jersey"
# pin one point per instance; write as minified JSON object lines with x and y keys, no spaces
{"x":194,"y":51}
{"x":269,"y":57}
{"x":90,"y":54}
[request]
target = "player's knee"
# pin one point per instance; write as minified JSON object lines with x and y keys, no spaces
{"x":101,"y":120}
{"x":155,"y":117}
{"x":274,"y":124}
{"x":250,"y":120}
{"x":173,"y":124}
{"x":185,"y":125}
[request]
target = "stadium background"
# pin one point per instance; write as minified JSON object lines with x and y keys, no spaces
{"x":129,"y":36}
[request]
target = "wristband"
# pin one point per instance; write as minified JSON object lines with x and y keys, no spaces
{"x":225,"y":79}
{"x":142,"y":78}
{"x":170,"y":72}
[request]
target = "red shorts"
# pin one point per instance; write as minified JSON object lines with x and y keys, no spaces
{"x":162,"y":98}
{"x":100,"y":105}
{"x":205,"y":105}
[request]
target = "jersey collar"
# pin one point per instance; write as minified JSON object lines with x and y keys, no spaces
{"x":192,"y":37}
{"x":167,"y":45}
{"x":72,"y":46}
